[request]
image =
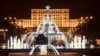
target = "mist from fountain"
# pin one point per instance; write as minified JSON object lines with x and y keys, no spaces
{"x":49,"y":30}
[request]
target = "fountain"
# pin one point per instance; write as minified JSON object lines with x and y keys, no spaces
{"x":78,"y":42}
{"x":15,"y":43}
{"x":48,"y":31}
{"x":47,"y":36}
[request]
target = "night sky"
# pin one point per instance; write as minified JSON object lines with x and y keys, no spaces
{"x":78,"y":8}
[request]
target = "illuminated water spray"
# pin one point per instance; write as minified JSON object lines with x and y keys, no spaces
{"x":50,"y":32}
{"x":47,"y":36}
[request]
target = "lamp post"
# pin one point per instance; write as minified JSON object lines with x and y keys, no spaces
{"x":84,"y":20}
{"x":80,"y":22}
{"x":87,"y":19}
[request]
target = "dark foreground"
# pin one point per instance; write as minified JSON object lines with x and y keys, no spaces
{"x":63,"y":52}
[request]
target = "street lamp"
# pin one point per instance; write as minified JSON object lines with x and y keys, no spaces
{"x":14,"y":18}
{"x":87,"y":19}
{"x":81,"y":21}
{"x":5,"y":18}
{"x":91,"y":17}
{"x":81,"y":18}
{"x":10,"y":18}
{"x":84,"y":20}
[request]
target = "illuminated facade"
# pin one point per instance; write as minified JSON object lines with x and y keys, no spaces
{"x":59,"y":16}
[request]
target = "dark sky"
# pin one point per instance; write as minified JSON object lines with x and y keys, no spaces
{"x":21,"y":8}
{"x":78,"y":8}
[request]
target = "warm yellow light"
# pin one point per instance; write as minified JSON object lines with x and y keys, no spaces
{"x":86,"y":17}
{"x":12,"y":22}
{"x":91,"y":17}
{"x":81,"y":22}
{"x":14,"y":18}
{"x":19,"y":23}
{"x":2,"y":30}
{"x":3,"y":46}
{"x":6,"y":29}
{"x":16,"y":27}
{"x":5,"y":18}
{"x":24,"y":37}
{"x":10,"y":18}
{"x":43,"y":50}
{"x":16,"y":22}
{"x":98,"y":41}
{"x":77,"y":28}
{"x":81,"y":17}
{"x":84,"y":22}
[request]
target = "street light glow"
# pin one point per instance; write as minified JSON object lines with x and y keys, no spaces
{"x":14,"y":18}
{"x":10,"y":18}
{"x":81,"y":17}
{"x":91,"y":17}
{"x":86,"y":17}
{"x":5,"y":18}
{"x":12,"y":22}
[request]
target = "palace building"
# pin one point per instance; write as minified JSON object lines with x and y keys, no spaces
{"x":59,"y":16}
